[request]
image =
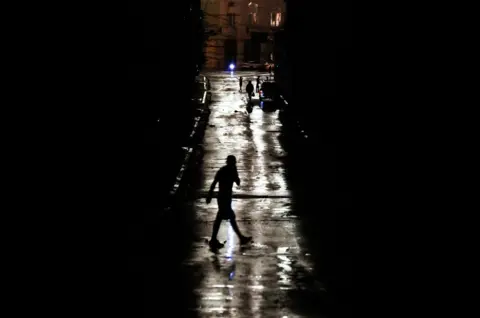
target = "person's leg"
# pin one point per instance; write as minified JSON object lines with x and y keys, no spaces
{"x":233,"y":222}
{"x":220,"y":216}
{"x":216,"y":227}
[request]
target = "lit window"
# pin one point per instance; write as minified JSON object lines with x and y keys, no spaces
{"x":252,"y":18}
{"x":275,"y":19}
{"x":252,"y":13}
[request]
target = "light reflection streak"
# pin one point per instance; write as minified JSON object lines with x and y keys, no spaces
{"x":222,"y":286}
{"x":217,"y":298}
{"x":215,"y":309}
{"x":260,"y":182}
{"x":230,"y":242}
{"x":284,"y":264}
{"x":277,"y":174}
{"x":259,"y":270}
{"x":256,"y":287}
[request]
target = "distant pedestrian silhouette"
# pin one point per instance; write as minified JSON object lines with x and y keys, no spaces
{"x":225,"y":178}
{"x":257,"y":85}
{"x":249,"y":90}
{"x":240,"y":81}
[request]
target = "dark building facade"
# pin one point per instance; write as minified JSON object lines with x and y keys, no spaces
{"x":163,"y":58}
{"x":311,"y":56}
{"x":155,"y":43}
{"x":307,"y":50}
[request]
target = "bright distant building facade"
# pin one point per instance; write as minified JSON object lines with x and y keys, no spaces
{"x":240,"y":30}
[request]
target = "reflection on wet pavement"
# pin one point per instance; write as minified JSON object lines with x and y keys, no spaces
{"x":257,"y":280}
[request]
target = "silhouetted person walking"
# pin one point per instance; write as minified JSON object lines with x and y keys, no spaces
{"x":249,"y":90}
{"x":240,"y":81}
{"x":225,"y":178}
{"x":257,"y":86}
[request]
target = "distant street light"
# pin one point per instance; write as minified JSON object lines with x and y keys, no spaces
{"x":232,"y":67}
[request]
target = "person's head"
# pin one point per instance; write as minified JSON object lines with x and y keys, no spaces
{"x":249,"y":82}
{"x":231,"y":160}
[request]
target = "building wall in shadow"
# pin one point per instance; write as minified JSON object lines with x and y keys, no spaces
{"x":164,"y":40}
{"x":311,"y":70}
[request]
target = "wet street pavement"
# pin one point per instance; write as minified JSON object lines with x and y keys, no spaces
{"x":272,"y":277}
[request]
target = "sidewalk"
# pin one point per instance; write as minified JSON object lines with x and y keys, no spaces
{"x":167,"y":150}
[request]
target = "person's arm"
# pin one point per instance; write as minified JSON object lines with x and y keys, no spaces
{"x":212,"y":188}
{"x":237,"y":179}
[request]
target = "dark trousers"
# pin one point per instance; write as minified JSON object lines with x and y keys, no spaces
{"x":225,"y":212}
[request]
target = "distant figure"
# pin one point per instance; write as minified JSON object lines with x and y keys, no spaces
{"x":257,"y":86}
{"x":225,"y":177}
{"x":240,"y":81}
{"x":270,"y":69}
{"x":249,"y":90}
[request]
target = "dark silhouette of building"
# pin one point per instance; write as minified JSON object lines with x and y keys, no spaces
{"x":307,"y":53}
{"x":311,"y":62}
{"x":164,"y":51}
{"x":163,"y":58}
{"x":155,"y":43}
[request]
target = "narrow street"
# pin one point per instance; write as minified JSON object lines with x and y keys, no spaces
{"x":272,"y":277}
